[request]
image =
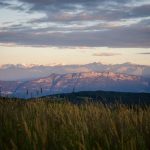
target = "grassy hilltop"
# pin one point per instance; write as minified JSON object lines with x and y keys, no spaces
{"x":43,"y":124}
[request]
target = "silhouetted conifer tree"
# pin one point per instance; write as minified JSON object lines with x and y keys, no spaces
{"x":41,"y":90}
{"x":0,"y":91}
{"x":27,"y":92}
{"x":31,"y":95}
{"x":37,"y":92}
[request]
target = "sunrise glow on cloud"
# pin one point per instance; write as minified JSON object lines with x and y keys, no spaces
{"x":54,"y":31}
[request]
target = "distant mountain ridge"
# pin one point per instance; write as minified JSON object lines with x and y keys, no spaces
{"x":22,"y":72}
{"x":74,"y":82}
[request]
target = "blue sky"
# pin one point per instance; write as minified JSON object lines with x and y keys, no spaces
{"x":74,"y":31}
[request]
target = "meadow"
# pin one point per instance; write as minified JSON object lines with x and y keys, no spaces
{"x":46,"y":124}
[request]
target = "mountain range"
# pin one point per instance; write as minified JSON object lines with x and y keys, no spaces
{"x":74,"y":82}
{"x":21,"y":72}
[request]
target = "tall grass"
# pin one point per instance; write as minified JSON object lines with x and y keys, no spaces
{"x":41,"y":124}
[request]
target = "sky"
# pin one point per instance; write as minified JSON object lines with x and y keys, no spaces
{"x":50,"y":32}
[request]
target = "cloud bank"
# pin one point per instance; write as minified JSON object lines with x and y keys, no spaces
{"x":97,"y":23}
{"x":106,"y":54}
